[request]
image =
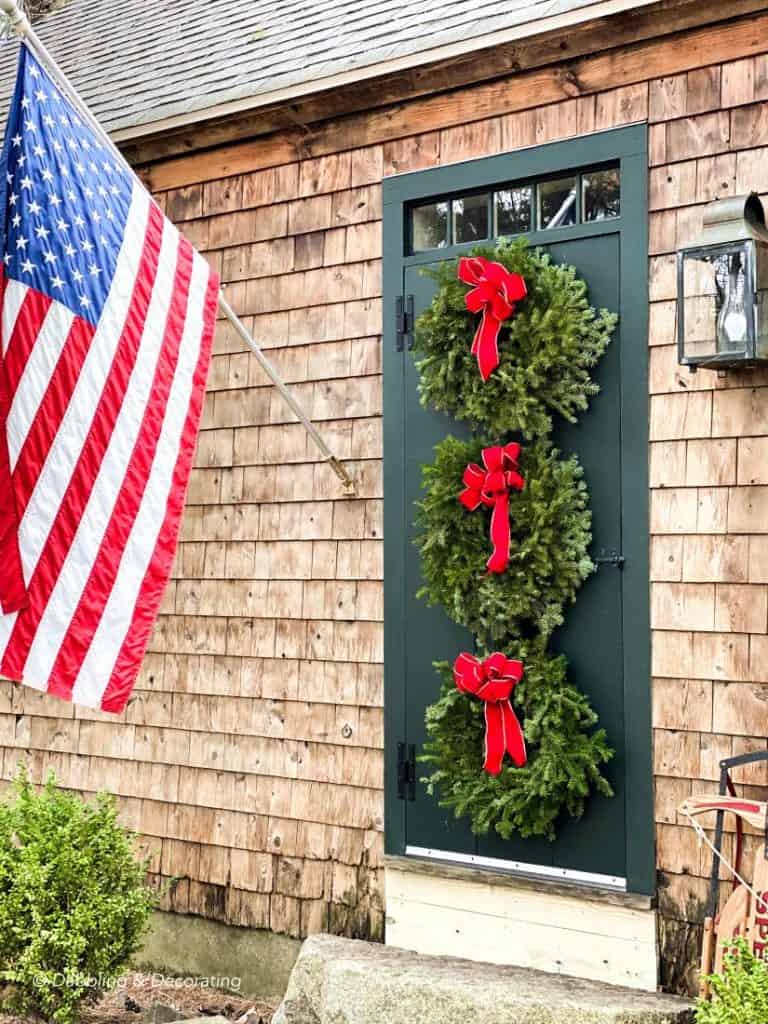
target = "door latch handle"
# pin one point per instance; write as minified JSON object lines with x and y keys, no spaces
{"x":608,"y":557}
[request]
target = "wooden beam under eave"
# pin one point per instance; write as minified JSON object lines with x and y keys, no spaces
{"x":629,"y":64}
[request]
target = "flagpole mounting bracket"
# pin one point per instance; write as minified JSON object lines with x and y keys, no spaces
{"x":14,"y":20}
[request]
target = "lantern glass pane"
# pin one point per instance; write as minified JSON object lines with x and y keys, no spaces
{"x":761,"y":305}
{"x":512,"y":210}
{"x":717,"y":304}
{"x":557,"y":203}
{"x":429,"y":226}
{"x":470,"y":219}
{"x":601,"y":194}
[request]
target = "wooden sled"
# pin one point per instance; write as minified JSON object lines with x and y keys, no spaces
{"x":744,"y":914}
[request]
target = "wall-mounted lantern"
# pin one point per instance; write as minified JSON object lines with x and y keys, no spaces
{"x":722,"y":288}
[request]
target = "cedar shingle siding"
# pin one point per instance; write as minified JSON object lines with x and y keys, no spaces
{"x":251,"y":759}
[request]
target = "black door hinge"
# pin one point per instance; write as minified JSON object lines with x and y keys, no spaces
{"x":406,"y":771}
{"x":609,"y":557}
{"x":404,"y":321}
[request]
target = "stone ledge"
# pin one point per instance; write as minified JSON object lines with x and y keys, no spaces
{"x":345,"y":981}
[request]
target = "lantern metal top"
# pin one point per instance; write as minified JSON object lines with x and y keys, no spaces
{"x":737,"y":219}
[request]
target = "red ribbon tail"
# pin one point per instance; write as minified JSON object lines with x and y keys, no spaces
{"x":486,"y":344}
{"x":514,"y":741}
{"x":494,"y":738}
{"x":500,"y":534}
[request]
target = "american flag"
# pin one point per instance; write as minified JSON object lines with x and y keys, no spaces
{"x":106,"y":325}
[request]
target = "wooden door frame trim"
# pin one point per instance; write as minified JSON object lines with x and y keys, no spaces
{"x":630,"y":146}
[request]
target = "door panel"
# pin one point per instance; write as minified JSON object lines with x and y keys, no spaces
{"x":614,"y":838}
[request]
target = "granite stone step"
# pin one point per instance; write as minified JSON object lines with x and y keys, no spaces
{"x":345,"y":981}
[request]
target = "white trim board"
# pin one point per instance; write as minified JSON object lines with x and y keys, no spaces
{"x":485,"y":921}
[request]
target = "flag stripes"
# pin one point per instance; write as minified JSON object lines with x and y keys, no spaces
{"x":101,"y":417}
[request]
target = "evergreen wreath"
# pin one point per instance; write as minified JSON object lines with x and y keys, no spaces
{"x":565,"y":752}
{"x":546,"y":351}
{"x":547,"y":347}
{"x":550,"y":536}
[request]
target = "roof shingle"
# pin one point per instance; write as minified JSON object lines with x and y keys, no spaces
{"x":137,"y":62}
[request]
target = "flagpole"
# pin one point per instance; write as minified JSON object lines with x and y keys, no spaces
{"x":19,"y":23}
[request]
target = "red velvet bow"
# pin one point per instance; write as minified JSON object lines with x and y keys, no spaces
{"x":493,"y":681}
{"x":491,"y":487}
{"x":495,"y":291}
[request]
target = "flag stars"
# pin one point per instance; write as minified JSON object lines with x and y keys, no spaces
{"x":66,"y":241}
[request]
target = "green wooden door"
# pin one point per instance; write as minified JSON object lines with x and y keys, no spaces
{"x":606,"y":635}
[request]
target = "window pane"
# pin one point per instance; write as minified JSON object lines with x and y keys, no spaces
{"x":557,"y":203}
{"x":513,"y":210}
{"x":601,"y":194}
{"x":430,"y":226}
{"x":470,"y":219}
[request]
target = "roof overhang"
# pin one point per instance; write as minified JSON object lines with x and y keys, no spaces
{"x":172,"y":118}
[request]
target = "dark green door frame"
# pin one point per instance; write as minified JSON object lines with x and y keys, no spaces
{"x":628,"y":146}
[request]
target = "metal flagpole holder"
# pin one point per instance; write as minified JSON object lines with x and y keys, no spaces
{"x":18,"y":22}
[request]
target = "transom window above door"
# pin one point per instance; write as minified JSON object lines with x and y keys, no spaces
{"x":545,"y":205}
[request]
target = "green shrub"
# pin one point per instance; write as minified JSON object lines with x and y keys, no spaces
{"x":740,"y":993}
{"x":73,"y":900}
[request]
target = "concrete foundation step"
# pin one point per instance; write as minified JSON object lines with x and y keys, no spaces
{"x":344,"y":981}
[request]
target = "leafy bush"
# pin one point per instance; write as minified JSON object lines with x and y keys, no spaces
{"x":73,"y":900}
{"x":740,"y":993}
